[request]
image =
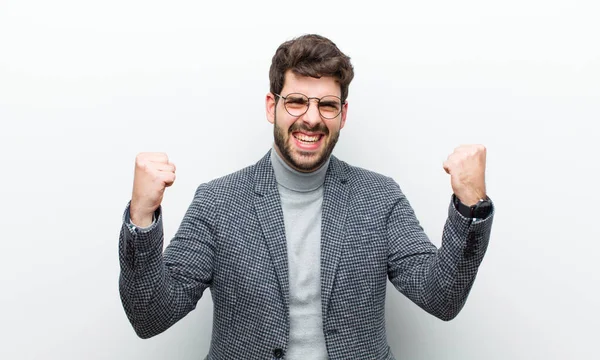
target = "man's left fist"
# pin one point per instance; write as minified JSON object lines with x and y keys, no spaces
{"x":466,"y":166}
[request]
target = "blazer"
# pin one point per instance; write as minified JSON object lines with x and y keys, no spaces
{"x":232,"y":240}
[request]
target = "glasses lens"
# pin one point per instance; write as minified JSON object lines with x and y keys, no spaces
{"x":296,"y":104}
{"x":330,"y":106}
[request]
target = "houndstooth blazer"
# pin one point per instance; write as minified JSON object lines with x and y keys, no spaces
{"x":232,"y":240}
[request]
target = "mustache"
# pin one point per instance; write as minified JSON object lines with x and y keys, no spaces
{"x":301,"y":126}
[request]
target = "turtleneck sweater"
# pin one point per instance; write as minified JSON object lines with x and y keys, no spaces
{"x":301,"y":200}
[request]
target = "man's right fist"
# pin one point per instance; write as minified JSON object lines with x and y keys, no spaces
{"x":153,"y":173}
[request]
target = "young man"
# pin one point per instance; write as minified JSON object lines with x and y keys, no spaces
{"x":297,"y":249}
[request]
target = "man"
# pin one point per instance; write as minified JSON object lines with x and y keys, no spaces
{"x":297,"y":248}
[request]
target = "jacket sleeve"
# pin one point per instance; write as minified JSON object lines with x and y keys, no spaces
{"x":437,"y":280}
{"x":159,"y":288}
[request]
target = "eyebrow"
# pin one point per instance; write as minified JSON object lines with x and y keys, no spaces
{"x":329,"y":103}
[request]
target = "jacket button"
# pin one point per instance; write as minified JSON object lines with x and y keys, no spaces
{"x":278,"y":353}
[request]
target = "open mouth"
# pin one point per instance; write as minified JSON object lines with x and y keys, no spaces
{"x":309,"y":139}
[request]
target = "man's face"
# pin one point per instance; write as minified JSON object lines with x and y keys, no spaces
{"x":305,"y":142}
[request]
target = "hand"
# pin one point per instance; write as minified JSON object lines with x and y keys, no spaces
{"x":466,"y":166}
{"x":153,"y":174}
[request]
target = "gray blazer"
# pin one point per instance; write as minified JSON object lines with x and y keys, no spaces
{"x":232,"y":240}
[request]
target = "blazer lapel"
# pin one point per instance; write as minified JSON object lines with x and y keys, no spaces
{"x":335,"y":199}
{"x":270,"y":215}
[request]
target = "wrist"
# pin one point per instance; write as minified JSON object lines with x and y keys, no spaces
{"x":468,"y":201}
{"x":141,"y":218}
{"x":471,"y":198}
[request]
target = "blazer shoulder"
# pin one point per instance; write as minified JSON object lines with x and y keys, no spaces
{"x":232,"y":183}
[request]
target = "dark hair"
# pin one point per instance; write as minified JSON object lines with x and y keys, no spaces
{"x":310,"y":55}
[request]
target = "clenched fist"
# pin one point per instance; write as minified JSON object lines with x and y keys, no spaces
{"x":466,"y":166}
{"x":153,"y":173}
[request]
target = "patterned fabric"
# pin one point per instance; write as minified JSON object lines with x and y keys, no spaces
{"x":232,"y":240}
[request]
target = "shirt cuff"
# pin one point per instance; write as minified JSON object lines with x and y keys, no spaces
{"x":133,"y":228}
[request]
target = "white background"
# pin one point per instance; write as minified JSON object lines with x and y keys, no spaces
{"x":86,"y":85}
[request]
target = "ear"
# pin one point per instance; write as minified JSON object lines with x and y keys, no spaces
{"x":344,"y":113}
{"x":270,"y":107}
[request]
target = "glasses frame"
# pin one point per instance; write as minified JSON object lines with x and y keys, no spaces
{"x":308,"y":106}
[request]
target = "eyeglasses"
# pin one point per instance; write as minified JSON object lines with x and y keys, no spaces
{"x":297,"y":104}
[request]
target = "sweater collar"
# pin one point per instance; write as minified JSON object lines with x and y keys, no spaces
{"x":293,"y":179}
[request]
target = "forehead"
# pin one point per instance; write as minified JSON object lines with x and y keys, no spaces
{"x":310,"y":86}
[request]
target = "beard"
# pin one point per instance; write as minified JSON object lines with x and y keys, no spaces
{"x":314,"y":161}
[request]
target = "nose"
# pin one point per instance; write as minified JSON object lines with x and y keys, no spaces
{"x":312,"y":116}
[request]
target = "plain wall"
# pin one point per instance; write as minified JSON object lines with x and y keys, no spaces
{"x":85,"y":86}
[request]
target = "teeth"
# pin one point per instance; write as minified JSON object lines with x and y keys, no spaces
{"x":306,"y":138}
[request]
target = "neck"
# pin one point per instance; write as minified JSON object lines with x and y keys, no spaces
{"x":293,"y":179}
